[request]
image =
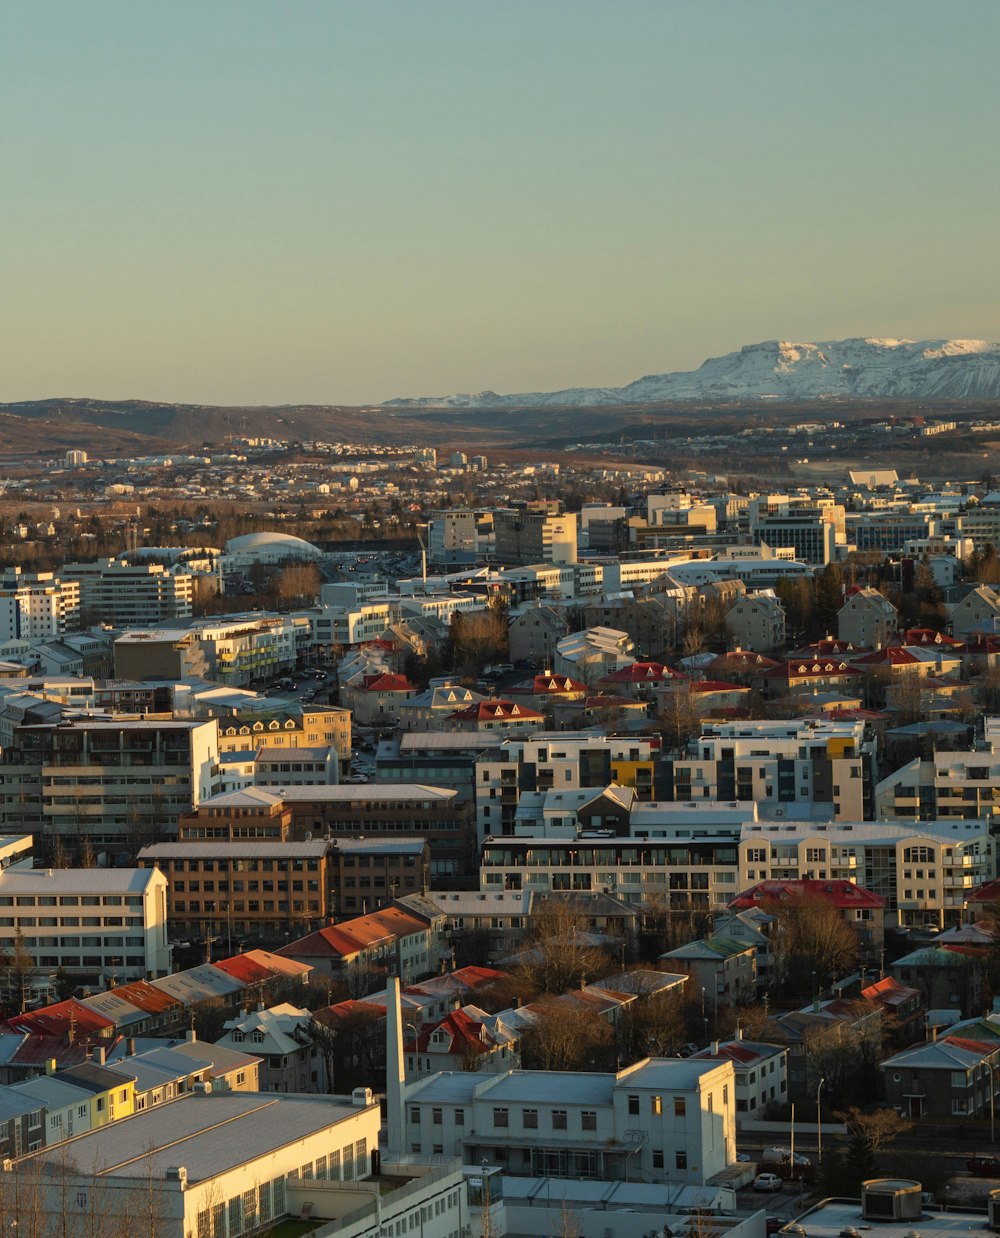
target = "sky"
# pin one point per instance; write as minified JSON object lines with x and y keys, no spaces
{"x":316,"y":201}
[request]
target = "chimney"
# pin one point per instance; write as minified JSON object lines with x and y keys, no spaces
{"x":715,"y":1048}
{"x":739,"y":1032}
{"x":190,"y":1035}
{"x":100,"y":1053}
{"x":395,"y":1073}
{"x":934,"y":1033}
{"x":131,"y":1046}
{"x":50,"y":1066}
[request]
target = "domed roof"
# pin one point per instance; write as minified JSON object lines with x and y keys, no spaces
{"x":271,"y":541}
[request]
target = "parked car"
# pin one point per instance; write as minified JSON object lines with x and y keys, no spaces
{"x":767,"y":1182}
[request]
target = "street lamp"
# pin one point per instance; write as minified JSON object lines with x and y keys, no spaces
{"x":819,"y":1123}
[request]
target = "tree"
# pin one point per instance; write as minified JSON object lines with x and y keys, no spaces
{"x":565,"y":1035}
{"x":810,"y":938}
{"x":653,"y":1025}
{"x":678,"y":717}
{"x":20,"y":970}
{"x":868,"y":1135}
{"x":560,"y":952}
{"x":829,"y":596}
{"x":479,"y":637}
{"x":298,"y":585}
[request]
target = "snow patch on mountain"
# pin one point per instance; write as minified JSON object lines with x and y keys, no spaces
{"x":870,"y":368}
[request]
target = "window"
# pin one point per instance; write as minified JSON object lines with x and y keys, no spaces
{"x":459,"y":1117}
{"x":656,"y":1105}
{"x":680,"y":1107}
{"x":681,"y":1160}
{"x":657,"y":1158}
{"x":559,"y":1119}
{"x":501,"y":1117}
{"x":588,"y":1120}
{"x":436,"y":1117}
{"x":633,"y":1104}
{"x":530,"y":1119}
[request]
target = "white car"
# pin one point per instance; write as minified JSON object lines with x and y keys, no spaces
{"x":767,"y":1182}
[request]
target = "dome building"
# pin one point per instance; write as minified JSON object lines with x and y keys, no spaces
{"x":268,"y":548}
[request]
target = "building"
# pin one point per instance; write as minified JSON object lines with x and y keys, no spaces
{"x":37,"y":607}
{"x":260,"y":887}
{"x":363,"y":950}
{"x":859,"y":908}
{"x":119,"y":783}
{"x":757,"y":622}
{"x":440,"y":814}
{"x":948,"y":786}
{"x":292,"y":1060}
{"x":524,"y":535}
{"x":866,"y":620}
{"x":564,"y":1124}
{"x":723,"y":968}
{"x":368,"y":873}
{"x":788,"y":768}
{"x":97,"y":923}
{"x":166,"y":1168}
{"x":131,"y":595}
{"x":761,"y":1073}
{"x":943,"y":1079}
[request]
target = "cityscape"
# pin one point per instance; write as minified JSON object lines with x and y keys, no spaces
{"x":565,"y":806}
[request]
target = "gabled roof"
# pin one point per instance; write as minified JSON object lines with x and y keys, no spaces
{"x":844,"y":895}
{"x":69,"y":1018}
{"x":386,"y":682}
{"x":352,"y":936}
{"x":496,"y":711}
{"x":261,"y":965}
{"x":642,"y":672}
{"x":702,"y":687}
{"x":889,"y":992}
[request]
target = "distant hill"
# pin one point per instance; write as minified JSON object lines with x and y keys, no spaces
{"x":853,"y":369}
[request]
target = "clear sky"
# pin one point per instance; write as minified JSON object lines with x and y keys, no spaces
{"x":320,"y":201}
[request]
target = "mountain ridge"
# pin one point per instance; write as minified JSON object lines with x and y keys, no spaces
{"x":860,"y":368}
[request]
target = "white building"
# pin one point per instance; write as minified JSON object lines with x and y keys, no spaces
{"x":660,"y":1120}
{"x":168,"y":1171}
{"x":96,"y":922}
{"x":131,"y":595}
{"x":37,"y":607}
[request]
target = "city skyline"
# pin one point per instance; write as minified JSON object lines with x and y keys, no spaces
{"x":337,"y":204}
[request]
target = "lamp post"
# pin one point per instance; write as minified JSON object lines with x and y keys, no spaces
{"x":819,"y":1123}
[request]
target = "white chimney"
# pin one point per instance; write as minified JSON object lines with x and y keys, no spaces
{"x":395,"y":1073}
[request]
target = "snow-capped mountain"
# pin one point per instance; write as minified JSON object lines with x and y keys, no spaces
{"x":872,"y":369}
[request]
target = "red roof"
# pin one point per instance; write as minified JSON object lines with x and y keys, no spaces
{"x":844,"y":895}
{"x":889,"y":992}
{"x":477,"y":977}
{"x":642,"y":672}
{"x":741,"y":660}
{"x":256,"y":965}
{"x":387,"y":682}
{"x":548,"y":684}
{"x":62,"y":1019}
{"x":716,"y":685}
{"x":814,"y":668}
{"x":928,"y":636}
{"x":352,"y":936}
{"x":146,"y":996}
{"x":465,"y":1032}
{"x":494,"y":710}
{"x":987,"y":893}
{"x":35,"y":1051}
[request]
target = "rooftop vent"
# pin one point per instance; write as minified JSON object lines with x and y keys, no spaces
{"x":891,"y":1199}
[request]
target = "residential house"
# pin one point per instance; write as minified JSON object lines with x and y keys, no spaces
{"x":723,"y":968}
{"x":761,"y":1073}
{"x":292,"y":1060}
{"x":866,"y":619}
{"x":757,"y":622}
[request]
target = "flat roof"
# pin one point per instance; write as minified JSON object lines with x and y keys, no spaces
{"x":207,"y":1134}
{"x":75,"y":880}
{"x":237,"y":850}
{"x":830,"y":1218}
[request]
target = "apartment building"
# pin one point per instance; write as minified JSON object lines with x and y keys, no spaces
{"x":866,"y":620}
{"x":949,"y":786}
{"x":564,"y":1124}
{"x":116,"y":782}
{"x":757,"y":622}
{"x":557,"y":760}
{"x":131,"y":595}
{"x":258,"y":887}
{"x":314,"y":726}
{"x":282,"y":1037}
{"x":97,"y":923}
{"x":440,"y":814}
{"x":527,"y":535}
{"x":926,"y":873}
{"x":347,"y":626}
{"x":37,"y":606}
{"x":788,"y":768}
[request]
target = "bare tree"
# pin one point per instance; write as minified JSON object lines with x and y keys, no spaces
{"x":810,"y":937}
{"x":566,"y":1036}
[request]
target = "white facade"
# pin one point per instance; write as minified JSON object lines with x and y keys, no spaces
{"x":93,"y":920}
{"x":40,"y":607}
{"x":171,"y":1162}
{"x":660,"y":1120}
